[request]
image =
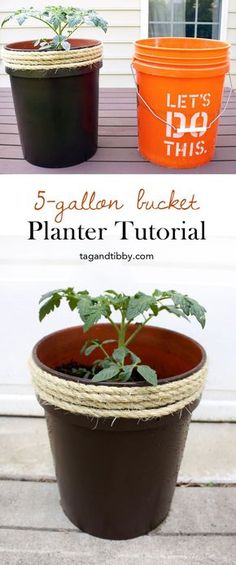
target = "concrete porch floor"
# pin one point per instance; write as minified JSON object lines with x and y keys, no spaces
{"x":200,"y":529}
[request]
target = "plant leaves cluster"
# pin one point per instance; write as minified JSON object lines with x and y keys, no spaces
{"x":119,"y":364}
{"x":63,"y":21}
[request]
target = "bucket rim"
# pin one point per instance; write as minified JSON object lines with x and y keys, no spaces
{"x":182,"y":71}
{"x":147,"y":43}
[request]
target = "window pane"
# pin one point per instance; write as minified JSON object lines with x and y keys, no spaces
{"x":177,"y":18}
{"x":208,"y":31}
{"x":179,"y":30}
{"x":159,"y":30}
{"x":179,"y":10}
{"x":189,"y":30}
{"x":160,"y":10}
{"x":190,"y":10}
{"x":209,"y":11}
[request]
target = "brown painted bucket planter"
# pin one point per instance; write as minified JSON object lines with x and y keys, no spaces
{"x":117,"y":476}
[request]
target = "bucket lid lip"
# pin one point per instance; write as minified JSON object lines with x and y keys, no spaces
{"x":129,"y":383}
{"x":221,"y":44}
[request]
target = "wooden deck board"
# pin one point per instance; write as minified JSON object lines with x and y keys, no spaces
{"x":109,"y":154}
{"x":14,"y":166}
{"x":115,"y":141}
{"x":117,"y":152}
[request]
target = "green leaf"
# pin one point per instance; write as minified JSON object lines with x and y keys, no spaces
{"x":92,"y":309}
{"x":58,"y":18}
{"x":44,"y":45}
{"x":112,"y":292}
{"x":176,"y":311}
{"x":55,"y":20}
{"x":127,"y":372}
{"x":120,"y":354}
{"x":138,"y":305}
{"x":148,"y":374}
{"x":106,"y":374}
{"x":160,"y":294}
{"x":7,"y":19}
{"x":72,"y":299}
{"x":75,"y":20}
{"x":154,"y":309}
{"x":98,"y":362}
{"x":49,"y":306}
{"x":88,"y":350}
{"x":21,"y":19}
{"x":134,"y":357}
{"x":97,"y":342}
{"x":84,"y":306}
{"x":96,"y":20}
{"x":84,"y":347}
{"x":49,"y":294}
{"x":94,"y":317}
{"x":189,"y":306}
{"x":66,"y":45}
{"x":104,"y":363}
{"x":90,"y":346}
{"x":56,"y":41}
{"x":119,"y":302}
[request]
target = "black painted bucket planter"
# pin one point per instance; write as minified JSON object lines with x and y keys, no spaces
{"x":57,"y":111}
{"x":117,"y":477}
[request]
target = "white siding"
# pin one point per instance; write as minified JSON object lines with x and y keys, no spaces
{"x":231,"y":36}
{"x":123,"y":17}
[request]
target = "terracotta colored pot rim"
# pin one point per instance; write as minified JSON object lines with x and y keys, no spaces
{"x":139,"y":383}
{"x":29,"y":45}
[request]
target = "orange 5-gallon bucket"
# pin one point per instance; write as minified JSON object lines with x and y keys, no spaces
{"x":180,"y":86}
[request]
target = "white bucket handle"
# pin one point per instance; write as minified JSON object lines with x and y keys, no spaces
{"x":183,"y":130}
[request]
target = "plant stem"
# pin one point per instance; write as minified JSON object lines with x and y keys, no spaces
{"x":74,"y":30}
{"x":64,"y":27}
{"x":138,"y":329}
{"x":104,"y":351}
{"x":122,"y":329}
{"x":113,"y":324}
{"x":45,"y":22}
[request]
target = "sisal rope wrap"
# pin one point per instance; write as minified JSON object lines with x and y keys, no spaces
{"x":49,"y":60}
{"x":117,"y":402}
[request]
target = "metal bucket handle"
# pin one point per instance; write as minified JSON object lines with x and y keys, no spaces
{"x":183,"y":130}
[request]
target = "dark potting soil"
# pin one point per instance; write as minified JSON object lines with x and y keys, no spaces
{"x":73,"y":369}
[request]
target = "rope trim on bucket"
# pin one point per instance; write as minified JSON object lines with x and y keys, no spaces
{"x":117,"y":402}
{"x":47,"y":60}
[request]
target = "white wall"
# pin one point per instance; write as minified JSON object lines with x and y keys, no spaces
{"x":128,"y":20}
{"x":231,"y":36}
{"x":205,"y":270}
{"x":123,"y":17}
